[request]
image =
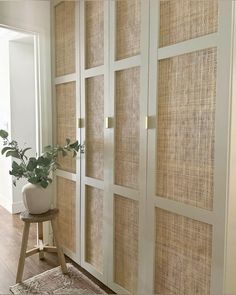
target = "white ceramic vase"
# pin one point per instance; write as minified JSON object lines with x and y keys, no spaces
{"x":37,"y":200}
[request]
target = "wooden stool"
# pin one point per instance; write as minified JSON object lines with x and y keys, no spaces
{"x":41,"y":248}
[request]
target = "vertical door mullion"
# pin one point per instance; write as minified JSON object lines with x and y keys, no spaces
{"x":151,"y":156}
{"x":82,"y":112}
{"x":144,"y":267}
{"x":222,"y":144}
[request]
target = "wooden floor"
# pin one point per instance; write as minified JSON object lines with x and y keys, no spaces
{"x":11,"y":228}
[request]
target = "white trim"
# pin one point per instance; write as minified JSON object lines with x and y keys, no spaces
{"x":126,"y":63}
{"x":93,"y":72}
{"x":94,"y":182}
{"x":222,"y":137}
{"x":91,"y":269}
{"x":185,"y":210}
{"x":78,"y":135}
{"x":188,"y":46}
{"x":126,"y":192}
{"x":230,"y":265}
{"x":65,"y":79}
{"x":65,"y":174}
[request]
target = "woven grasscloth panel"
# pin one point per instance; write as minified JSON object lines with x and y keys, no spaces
{"x":94,"y":33}
{"x":94,"y":227}
{"x":128,"y":28}
{"x":95,"y":127}
{"x":182,"y":20}
{"x":127,"y":127}
{"x":183,"y":255}
{"x":66,"y":121}
{"x":65,"y":38}
{"x":186,"y":124}
{"x":66,"y":203}
{"x":126,"y":243}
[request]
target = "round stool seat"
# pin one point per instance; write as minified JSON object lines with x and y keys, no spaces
{"x":34,"y":218}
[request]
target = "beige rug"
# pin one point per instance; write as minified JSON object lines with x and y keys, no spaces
{"x":54,"y":282}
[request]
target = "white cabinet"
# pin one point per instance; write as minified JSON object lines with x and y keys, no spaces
{"x":147,"y":210}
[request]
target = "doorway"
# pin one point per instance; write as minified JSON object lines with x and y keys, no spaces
{"x":19,"y":110}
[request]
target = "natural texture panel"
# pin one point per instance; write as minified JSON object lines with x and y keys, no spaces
{"x":94,"y":227}
{"x":66,"y":121}
{"x":94,"y":33}
{"x":186,"y":128}
{"x":183,"y":255}
{"x":126,"y":243}
{"x":182,"y":20}
{"x":66,"y":203}
{"x":127,"y":128}
{"x":65,"y":38}
{"x":128,"y":28}
{"x":95,"y":127}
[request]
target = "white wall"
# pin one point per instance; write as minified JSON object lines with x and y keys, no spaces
{"x":5,"y":163}
{"x":23,"y":107}
{"x":34,"y":16}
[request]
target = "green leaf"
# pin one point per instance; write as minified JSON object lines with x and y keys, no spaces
{"x":3,"y":134}
{"x":74,"y":154}
{"x":15,"y":165}
{"x":33,"y":180}
{"x":25,"y":150}
{"x":44,"y":183}
{"x":43,"y":161}
{"x":7,"y":148}
{"x":13,"y":154}
{"x":67,"y":141}
{"x":32,"y":164}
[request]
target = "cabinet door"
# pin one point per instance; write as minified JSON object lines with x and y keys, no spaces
{"x":126,"y":153}
{"x":186,"y":195}
{"x":94,"y":63}
{"x":65,"y":113}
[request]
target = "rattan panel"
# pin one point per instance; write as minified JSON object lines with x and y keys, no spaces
{"x":94,"y":227}
{"x":94,"y":33}
{"x":183,"y":255}
{"x":186,"y":128}
{"x":66,"y":121}
{"x":66,"y":203}
{"x":65,"y":38}
{"x":126,"y":243}
{"x":182,"y":20}
{"x":128,"y":28}
{"x":95,"y":127}
{"x":127,"y":128}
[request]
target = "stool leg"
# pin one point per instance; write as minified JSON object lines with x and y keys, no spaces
{"x":40,"y":240}
{"x":21,"y":262}
{"x":59,"y":249}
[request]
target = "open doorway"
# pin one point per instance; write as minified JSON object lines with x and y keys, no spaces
{"x":18,"y":105}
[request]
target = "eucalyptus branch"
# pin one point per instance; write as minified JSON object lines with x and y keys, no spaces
{"x":38,"y":169}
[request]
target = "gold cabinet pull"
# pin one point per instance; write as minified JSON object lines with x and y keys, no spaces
{"x":146,"y":122}
{"x":79,"y":123}
{"x":108,"y":123}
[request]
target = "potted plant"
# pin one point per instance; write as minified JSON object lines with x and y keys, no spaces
{"x":37,"y":170}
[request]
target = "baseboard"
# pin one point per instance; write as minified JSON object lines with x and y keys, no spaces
{"x":18,"y":207}
{"x":6,"y":203}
